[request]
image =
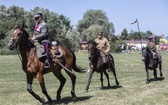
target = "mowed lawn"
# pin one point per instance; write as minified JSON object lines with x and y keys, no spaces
{"x":130,"y":70}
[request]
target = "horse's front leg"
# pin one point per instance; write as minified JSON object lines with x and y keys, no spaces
{"x":43,"y":88}
{"x":147,"y":75}
{"x":89,"y":80}
{"x":107,"y":76}
{"x":155,"y":74}
{"x":101,"y":79}
{"x":29,"y":88}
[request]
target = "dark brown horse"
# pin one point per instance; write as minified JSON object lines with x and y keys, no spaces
{"x":33,"y":67}
{"x":149,"y":60}
{"x":96,"y":64}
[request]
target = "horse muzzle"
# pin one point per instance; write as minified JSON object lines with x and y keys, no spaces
{"x":11,"y":45}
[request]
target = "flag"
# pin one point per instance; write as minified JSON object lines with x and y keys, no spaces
{"x":134,"y":21}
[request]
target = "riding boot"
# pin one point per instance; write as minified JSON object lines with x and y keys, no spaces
{"x":47,"y":61}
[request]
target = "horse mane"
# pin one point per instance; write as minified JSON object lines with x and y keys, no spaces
{"x":21,"y":27}
{"x":26,"y":33}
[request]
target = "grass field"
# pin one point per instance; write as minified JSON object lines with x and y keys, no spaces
{"x":133,"y":89}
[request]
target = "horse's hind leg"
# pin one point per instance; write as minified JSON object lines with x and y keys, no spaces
{"x":62,"y":80}
{"x":73,"y":80}
{"x":114,"y":73}
{"x":29,"y":88}
{"x":42,"y":84}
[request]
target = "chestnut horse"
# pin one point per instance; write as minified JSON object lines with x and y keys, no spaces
{"x":33,"y":67}
{"x":96,"y":64}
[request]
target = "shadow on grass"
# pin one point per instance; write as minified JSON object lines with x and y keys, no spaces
{"x":158,"y":79}
{"x":112,"y":87}
{"x":67,"y":100}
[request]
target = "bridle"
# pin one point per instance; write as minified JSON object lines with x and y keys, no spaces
{"x":15,"y":42}
{"x":92,"y":50}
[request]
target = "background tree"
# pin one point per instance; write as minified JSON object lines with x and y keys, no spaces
{"x":92,"y":22}
{"x":124,"y":34}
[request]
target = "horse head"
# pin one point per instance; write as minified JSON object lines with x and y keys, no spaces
{"x":18,"y":37}
{"x":91,"y":48}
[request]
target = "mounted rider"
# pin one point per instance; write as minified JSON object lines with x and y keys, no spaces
{"x":152,"y":48}
{"x":103,"y":45}
{"x":41,"y":36}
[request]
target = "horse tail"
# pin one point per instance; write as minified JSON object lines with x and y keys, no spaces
{"x":74,"y":66}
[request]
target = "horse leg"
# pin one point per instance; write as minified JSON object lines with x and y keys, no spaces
{"x":89,"y":80}
{"x":147,"y":75}
{"x":160,"y":68}
{"x":62,"y":80}
{"x":107,"y":76}
{"x":29,"y":89}
{"x":73,"y":80}
{"x":155,"y":74}
{"x":101,"y":79}
{"x":114,"y":73}
{"x":43,"y":88}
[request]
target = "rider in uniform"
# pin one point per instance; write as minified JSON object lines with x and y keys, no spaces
{"x":103,"y":45}
{"x":152,"y":47}
{"x":41,"y":35}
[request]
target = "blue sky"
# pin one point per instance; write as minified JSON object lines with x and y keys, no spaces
{"x":151,"y":14}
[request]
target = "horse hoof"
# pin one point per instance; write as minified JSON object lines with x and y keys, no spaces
{"x":101,"y":88}
{"x":147,"y":82}
{"x":42,"y":100}
{"x":58,"y":98}
{"x":86,"y":91}
{"x":74,"y":98}
{"x":117,"y":83}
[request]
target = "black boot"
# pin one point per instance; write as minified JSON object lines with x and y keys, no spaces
{"x":46,"y":64}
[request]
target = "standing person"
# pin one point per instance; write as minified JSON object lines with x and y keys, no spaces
{"x":41,"y":35}
{"x":103,"y":45}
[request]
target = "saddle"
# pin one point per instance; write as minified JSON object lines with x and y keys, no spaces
{"x":55,"y":52}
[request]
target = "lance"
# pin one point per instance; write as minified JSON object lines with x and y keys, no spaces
{"x":139,"y":35}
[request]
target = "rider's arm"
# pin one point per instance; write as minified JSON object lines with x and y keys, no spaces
{"x":107,"y":46}
{"x":43,"y":32}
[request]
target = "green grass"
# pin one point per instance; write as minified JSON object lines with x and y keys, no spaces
{"x":130,"y":72}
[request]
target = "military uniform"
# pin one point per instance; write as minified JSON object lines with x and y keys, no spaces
{"x":41,"y":31}
{"x":104,"y":46}
{"x":41,"y":36}
{"x":152,"y":46}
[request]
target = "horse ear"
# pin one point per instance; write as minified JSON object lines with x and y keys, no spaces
{"x":23,"y":26}
{"x":16,"y":26}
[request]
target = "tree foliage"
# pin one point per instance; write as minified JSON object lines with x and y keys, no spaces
{"x":58,"y":25}
{"x":94,"y":21}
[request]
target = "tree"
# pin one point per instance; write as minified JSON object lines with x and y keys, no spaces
{"x":124,"y":34}
{"x":92,"y":22}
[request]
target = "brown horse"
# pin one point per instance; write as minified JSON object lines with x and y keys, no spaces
{"x":33,"y":67}
{"x":97,"y":64}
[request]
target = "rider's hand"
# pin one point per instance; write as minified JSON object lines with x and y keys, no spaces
{"x":33,"y":38}
{"x":106,"y":51}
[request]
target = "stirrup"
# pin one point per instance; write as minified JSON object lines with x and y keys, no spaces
{"x":46,"y":64}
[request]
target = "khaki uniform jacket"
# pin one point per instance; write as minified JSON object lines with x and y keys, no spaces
{"x":103,"y":44}
{"x":152,"y":46}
